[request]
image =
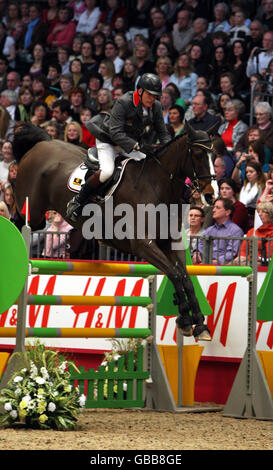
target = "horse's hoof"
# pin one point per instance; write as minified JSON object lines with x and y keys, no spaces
{"x":186,"y":330}
{"x":204,"y":336}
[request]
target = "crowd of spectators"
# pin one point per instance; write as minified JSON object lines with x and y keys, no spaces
{"x":63,"y":62}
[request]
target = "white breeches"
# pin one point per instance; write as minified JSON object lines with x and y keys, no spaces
{"x":107,"y":154}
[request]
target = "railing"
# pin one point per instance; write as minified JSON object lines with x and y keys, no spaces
{"x":265,"y":95}
{"x":211,"y":247}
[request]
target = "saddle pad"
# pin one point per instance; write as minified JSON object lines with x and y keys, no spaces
{"x":77,"y":179}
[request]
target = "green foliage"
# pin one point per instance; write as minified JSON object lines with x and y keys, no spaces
{"x":40,"y":394}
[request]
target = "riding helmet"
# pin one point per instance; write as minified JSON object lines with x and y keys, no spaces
{"x":150,"y":83}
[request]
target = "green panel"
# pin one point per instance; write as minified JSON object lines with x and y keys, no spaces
{"x":265,"y":296}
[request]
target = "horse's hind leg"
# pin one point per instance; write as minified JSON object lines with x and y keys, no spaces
{"x":150,"y":251}
{"x":201,"y":331}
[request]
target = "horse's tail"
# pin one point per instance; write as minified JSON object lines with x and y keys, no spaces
{"x":26,"y":135}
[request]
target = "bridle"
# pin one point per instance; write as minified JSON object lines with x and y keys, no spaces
{"x":204,"y":144}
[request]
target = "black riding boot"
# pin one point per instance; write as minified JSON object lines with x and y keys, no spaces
{"x":74,"y":207}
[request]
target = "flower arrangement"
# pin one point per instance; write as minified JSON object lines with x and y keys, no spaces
{"x":120,"y":347}
{"x":40,"y":394}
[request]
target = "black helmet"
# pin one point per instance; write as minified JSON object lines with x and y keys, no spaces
{"x":150,"y":83}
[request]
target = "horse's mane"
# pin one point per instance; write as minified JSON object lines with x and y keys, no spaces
{"x":26,"y":135}
{"x":164,"y":147}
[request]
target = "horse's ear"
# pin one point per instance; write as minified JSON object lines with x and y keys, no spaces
{"x":189,"y":129}
{"x":212,"y":131}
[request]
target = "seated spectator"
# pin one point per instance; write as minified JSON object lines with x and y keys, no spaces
{"x":3,"y":72}
{"x":12,"y":175}
{"x":93,"y":86}
{"x":52,"y":128}
{"x":121,"y":27}
{"x":265,"y":230}
{"x":41,"y":113}
{"x":157,"y":28}
{"x":24,"y":11}
{"x":63,"y":58}
{"x":124,"y":48}
{"x":39,"y":65}
{"x":182,"y":32}
{"x":64,"y":31}
{"x":227,"y":85}
{"x":184,"y":77}
{"x":6,"y":124}
{"x":253,"y":186}
{"x":199,"y":61}
{"x":176,"y":93}
{"x":219,"y":22}
{"x":76,"y":48}
{"x":163,"y":69}
{"x":201,"y":36}
{"x":176,"y":118}
{"x":219,"y":166}
{"x":7,"y":158}
{"x":255,"y":153}
{"x":142,"y":57}
{"x":42,"y":91}
{"x":13,"y":81}
{"x":223,"y":251}
{"x":221,"y":151}
{"x":167,"y":100}
{"x":219,"y":66}
{"x":66,"y":85}
{"x":233,"y":128}
{"x":203,"y":120}
{"x":267,"y":194}
{"x":111,"y":53}
{"x":50,"y":14}
{"x":130,"y":74}
{"x":263,"y":115}
{"x":137,"y":15}
{"x":8,"y":49}
{"x":99,"y":40}
{"x":196,"y":221}
{"x":9,"y":100}
{"x":73,"y":134}
{"x":78,"y":7}
{"x":77,"y":99}
{"x":87,"y":137}
{"x":238,"y":61}
{"x":240,"y":30}
{"x":259,"y":59}
{"x":34,"y":32}
{"x":89,"y":18}
{"x":107,"y":71}
{"x":229,"y":190}
{"x":9,"y":199}
{"x":4,"y":211}
{"x":76,"y":70}
{"x":53,"y":75}
{"x":112,"y":12}
{"x":197,"y":199}
{"x":55,"y":244}
{"x":25,"y":101}
{"x":14,"y":24}
{"x":105,"y":100}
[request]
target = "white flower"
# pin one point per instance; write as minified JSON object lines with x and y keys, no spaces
{"x":116,"y":357}
{"x":124,"y":386}
{"x":18,"y":378}
{"x":82,"y":400}
{"x":8,"y":406}
{"x":40,"y":380}
{"x":51,"y":406}
{"x":62,"y":367}
{"x":104,"y":363}
{"x":13,"y":414}
{"x":26,"y":398}
{"x":18,"y":391}
{"x":44,"y":373}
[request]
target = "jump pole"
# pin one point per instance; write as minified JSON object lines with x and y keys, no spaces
{"x":250,"y":396}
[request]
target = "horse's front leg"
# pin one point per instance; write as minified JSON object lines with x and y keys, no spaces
{"x":149,"y":250}
{"x":200,"y":331}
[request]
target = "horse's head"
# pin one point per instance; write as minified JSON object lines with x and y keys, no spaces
{"x":200,"y":150}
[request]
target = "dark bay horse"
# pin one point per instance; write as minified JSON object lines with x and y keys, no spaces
{"x":45,"y":166}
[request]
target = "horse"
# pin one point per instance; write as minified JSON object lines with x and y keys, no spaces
{"x":44,"y":166}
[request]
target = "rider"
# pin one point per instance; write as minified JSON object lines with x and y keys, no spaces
{"x":135,"y":119}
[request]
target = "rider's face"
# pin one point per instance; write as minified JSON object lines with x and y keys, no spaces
{"x":148,"y":99}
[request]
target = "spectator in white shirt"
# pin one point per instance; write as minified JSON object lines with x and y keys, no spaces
{"x":111,"y":52}
{"x":88,"y":20}
{"x":258,"y":60}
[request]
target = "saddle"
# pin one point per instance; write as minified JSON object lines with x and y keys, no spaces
{"x":89,"y":166}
